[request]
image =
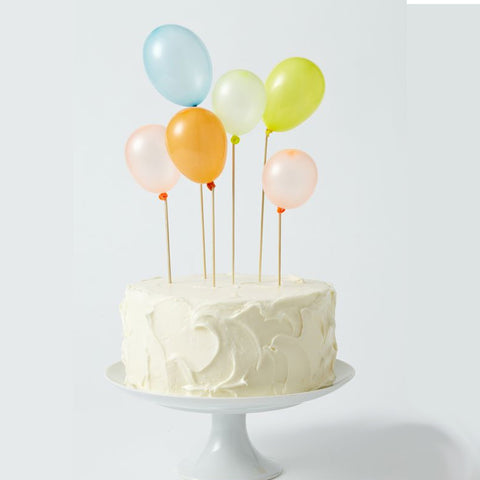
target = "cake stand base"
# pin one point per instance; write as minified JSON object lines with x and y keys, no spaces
{"x":229,"y":454}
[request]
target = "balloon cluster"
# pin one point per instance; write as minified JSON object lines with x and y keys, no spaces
{"x":194,"y":142}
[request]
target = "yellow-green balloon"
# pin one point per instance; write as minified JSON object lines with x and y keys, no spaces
{"x":295,"y":88}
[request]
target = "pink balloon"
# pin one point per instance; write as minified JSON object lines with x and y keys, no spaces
{"x":148,"y":159}
{"x":289,"y":178}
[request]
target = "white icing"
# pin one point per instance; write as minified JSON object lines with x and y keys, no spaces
{"x":188,"y":338}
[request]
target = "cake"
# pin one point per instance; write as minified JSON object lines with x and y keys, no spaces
{"x":234,"y":340}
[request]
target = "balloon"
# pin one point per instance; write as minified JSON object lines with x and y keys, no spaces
{"x":239,"y":100}
{"x":178,"y":64}
{"x":289,"y":178}
{"x":148,"y":159}
{"x":295,"y":88}
{"x":197,"y":144}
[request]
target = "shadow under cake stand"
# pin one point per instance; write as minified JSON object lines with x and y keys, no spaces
{"x":229,"y":454}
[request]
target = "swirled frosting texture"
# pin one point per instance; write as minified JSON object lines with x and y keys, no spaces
{"x":188,"y":338}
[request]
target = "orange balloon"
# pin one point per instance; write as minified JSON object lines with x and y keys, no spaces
{"x":197,"y":144}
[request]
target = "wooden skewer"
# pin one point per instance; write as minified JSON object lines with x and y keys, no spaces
{"x":280,"y":211}
{"x":213,"y":234}
{"x":163,"y":196}
{"x":234,"y":140}
{"x":203,"y":234}
{"x":168,"y":243}
{"x":267,"y":134}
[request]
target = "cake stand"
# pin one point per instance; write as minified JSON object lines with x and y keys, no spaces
{"x":229,"y":454}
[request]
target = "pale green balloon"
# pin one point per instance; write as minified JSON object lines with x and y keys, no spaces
{"x":239,"y":101}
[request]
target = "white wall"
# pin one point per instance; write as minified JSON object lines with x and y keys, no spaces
{"x":443,"y":2}
{"x":444,"y":155}
{"x":405,"y":415}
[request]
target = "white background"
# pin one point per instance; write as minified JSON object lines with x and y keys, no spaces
{"x":443,"y":2}
{"x":389,"y":230}
{"x":443,"y":194}
{"x":395,"y":233}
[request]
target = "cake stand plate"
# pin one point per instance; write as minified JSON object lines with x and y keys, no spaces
{"x":229,"y":454}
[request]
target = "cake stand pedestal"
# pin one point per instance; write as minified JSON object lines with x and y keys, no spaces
{"x":229,"y":454}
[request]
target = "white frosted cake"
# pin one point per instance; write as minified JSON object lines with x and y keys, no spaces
{"x":188,"y":338}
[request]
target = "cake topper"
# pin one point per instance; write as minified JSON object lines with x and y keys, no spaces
{"x":295,"y":88}
{"x":151,"y":167}
{"x":239,"y":100}
{"x":289,"y":179}
{"x":197,"y":144}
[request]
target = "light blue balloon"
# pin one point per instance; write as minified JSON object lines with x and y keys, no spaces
{"x":178,"y":64}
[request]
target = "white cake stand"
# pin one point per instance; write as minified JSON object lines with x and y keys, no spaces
{"x":229,"y":454}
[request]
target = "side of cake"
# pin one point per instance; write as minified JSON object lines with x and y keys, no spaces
{"x":246,"y":339}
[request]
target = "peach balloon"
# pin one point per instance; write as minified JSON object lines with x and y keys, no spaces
{"x":197,"y":144}
{"x":148,"y":160}
{"x":289,"y":178}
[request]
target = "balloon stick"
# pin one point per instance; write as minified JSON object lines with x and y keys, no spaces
{"x":280,"y":211}
{"x":211,"y":187}
{"x":203,"y":233}
{"x":234,"y":141}
{"x":163,"y":196}
{"x":267,"y":134}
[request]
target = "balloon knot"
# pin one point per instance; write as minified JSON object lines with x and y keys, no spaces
{"x":211,"y":185}
{"x":268,"y":132}
{"x":235,"y":139}
{"x":163,"y":196}
{"x":280,"y":210}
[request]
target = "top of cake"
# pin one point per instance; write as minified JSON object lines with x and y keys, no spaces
{"x":198,"y":290}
